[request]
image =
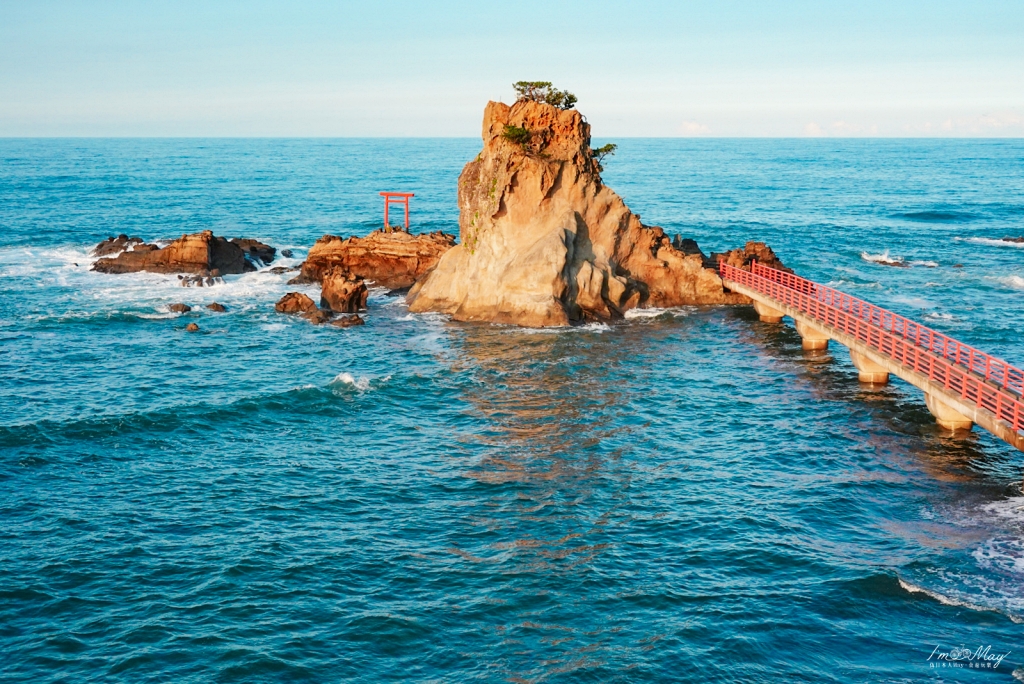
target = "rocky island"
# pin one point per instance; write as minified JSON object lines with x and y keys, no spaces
{"x":545,"y":243}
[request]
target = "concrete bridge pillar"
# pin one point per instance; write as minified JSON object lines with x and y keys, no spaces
{"x":869,"y":371}
{"x":813,"y":338}
{"x":767,"y":314}
{"x":946,"y":416}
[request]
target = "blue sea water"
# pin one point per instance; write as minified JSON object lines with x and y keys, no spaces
{"x":685,"y":495}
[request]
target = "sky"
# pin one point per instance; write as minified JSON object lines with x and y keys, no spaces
{"x":718,"y":68}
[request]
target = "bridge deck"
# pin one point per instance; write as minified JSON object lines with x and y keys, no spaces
{"x":977,"y":385}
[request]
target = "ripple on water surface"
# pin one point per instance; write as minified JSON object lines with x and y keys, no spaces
{"x":682,"y":495}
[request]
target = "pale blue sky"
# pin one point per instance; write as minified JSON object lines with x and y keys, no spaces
{"x":718,"y":68}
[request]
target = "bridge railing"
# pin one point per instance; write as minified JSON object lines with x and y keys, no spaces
{"x":807,"y":297}
{"x":993,"y":369}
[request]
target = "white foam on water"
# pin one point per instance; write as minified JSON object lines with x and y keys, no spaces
{"x":992,"y":242}
{"x":917,"y":302}
{"x":949,"y":599}
{"x":88,"y":293}
{"x":569,"y":329}
{"x":1015,"y":282}
{"x":675,"y":312}
{"x":360,"y":383}
{"x":941,"y":316}
{"x":926,"y":264}
{"x":882,"y":258}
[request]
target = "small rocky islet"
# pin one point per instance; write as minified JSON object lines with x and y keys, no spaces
{"x":543,"y":242}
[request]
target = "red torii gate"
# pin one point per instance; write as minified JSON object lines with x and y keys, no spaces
{"x":398,"y":198}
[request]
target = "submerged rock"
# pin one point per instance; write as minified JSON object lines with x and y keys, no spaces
{"x":216,"y":306}
{"x":341,"y":292}
{"x":180,"y":308}
{"x":1013,"y":239}
{"x":392,"y":260}
{"x":545,"y":243}
{"x":348,"y":321}
{"x":317,"y":316}
{"x":192,"y":327}
{"x":199,"y":253}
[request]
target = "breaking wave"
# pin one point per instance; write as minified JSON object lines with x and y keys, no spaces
{"x":888,"y":260}
{"x":992,"y":242}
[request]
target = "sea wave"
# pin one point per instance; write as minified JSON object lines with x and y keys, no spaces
{"x":991,"y":242}
{"x":889,"y":260}
{"x":936,"y":216}
{"x":586,"y":328}
{"x":675,"y":312}
{"x":362,"y":383}
{"x":1013,"y":281}
{"x":883,"y":258}
{"x":958,"y":601}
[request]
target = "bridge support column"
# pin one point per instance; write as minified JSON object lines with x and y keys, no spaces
{"x":946,"y":416}
{"x":869,"y":371}
{"x":813,"y":338}
{"x":767,"y":314}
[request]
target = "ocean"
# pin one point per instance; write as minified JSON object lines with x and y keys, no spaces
{"x":684,"y":495}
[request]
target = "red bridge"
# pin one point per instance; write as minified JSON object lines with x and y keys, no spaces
{"x":962,"y":385}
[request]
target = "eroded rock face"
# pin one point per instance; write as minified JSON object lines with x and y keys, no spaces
{"x":199,"y":253}
{"x":545,"y":243}
{"x":392,"y":260}
{"x":116,"y":245}
{"x":342,"y":293}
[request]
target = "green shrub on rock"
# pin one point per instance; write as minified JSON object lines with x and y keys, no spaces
{"x":544,"y":91}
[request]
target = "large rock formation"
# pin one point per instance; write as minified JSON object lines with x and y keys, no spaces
{"x":198,"y":253}
{"x":545,"y":243}
{"x":393,"y":260}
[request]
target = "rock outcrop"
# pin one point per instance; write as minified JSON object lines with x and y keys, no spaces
{"x":179,"y":308}
{"x":752,"y":251}
{"x":295,"y":302}
{"x":298,"y":303}
{"x":393,"y":260}
{"x":342,"y":293}
{"x":545,"y":243}
{"x":216,"y":306}
{"x":199,"y":253}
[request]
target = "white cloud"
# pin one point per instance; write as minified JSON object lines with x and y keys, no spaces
{"x":813,"y":130}
{"x":694,"y":128}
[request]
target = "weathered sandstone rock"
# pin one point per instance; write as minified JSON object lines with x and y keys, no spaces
{"x":192,"y":327}
{"x":216,"y":306}
{"x":752,"y":251}
{"x":393,"y":260}
{"x":341,"y":292}
{"x":199,"y":253}
{"x":180,"y":308}
{"x":295,"y":302}
{"x":545,"y":243}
